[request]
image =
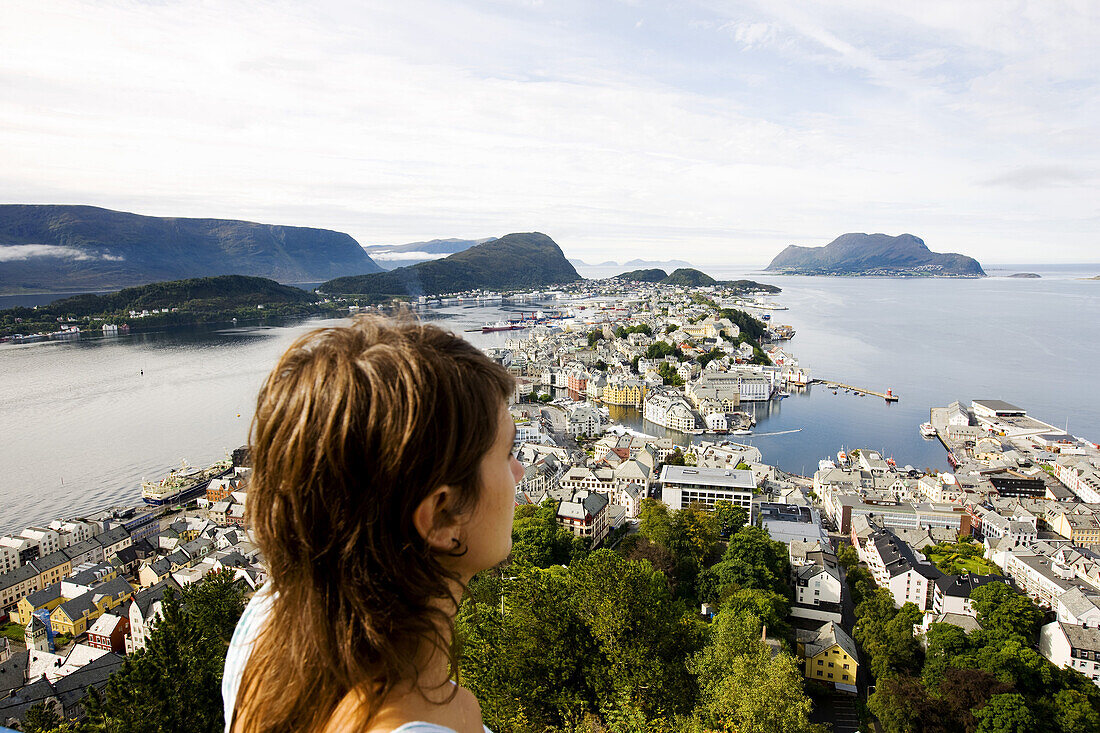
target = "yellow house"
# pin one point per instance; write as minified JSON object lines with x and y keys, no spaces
{"x":74,"y":616}
{"x":830,"y":656}
{"x":624,"y":392}
{"x":52,"y":568}
{"x":48,"y":598}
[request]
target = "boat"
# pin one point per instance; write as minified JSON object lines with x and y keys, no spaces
{"x":742,"y":431}
{"x":927,"y":430}
{"x":825,"y":464}
{"x":183,"y":484}
{"x":784,"y":394}
{"x":842,"y":458}
{"x":503,"y":326}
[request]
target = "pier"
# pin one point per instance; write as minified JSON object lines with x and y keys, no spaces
{"x":888,"y":395}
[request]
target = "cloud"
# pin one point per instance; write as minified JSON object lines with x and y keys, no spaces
{"x":1029,"y":178}
{"x":400,"y":122}
{"x":21,"y":252}
{"x":386,"y":256}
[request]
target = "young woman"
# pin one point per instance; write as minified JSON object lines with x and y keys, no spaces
{"x":383,"y":479}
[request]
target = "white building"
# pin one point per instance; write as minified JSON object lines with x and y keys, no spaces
{"x":584,"y":419}
{"x":1076,"y":647}
{"x":668,"y":409}
{"x":682,"y":486}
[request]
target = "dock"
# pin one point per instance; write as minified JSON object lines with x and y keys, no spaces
{"x":888,"y":395}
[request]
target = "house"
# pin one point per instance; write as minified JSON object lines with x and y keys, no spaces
{"x":109,"y":633}
{"x":74,"y":616}
{"x":817,"y":588}
{"x":1076,"y":647}
{"x":48,"y":598}
{"x":585,"y":515}
{"x":143,"y":610}
{"x":830,"y":656}
{"x":951,"y":593}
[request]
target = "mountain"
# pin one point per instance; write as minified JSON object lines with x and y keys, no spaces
{"x":85,"y":247}
{"x":689,"y":277}
{"x":644,"y":276}
{"x":401,"y":255}
{"x":874,"y":254}
{"x":663,"y":264}
{"x":528,"y":260}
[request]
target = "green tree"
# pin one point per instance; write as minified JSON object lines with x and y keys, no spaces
{"x":1075,"y":713}
{"x":655,"y":521}
{"x":41,"y":718}
{"x":770,"y":609}
{"x":847,"y":557}
{"x":1006,"y":713}
{"x":757,"y":693}
{"x":694,"y":534}
{"x":752,"y":560}
{"x":1001,"y":609}
{"x":676,"y":458}
{"x":730,"y":518}
{"x":903,"y":705}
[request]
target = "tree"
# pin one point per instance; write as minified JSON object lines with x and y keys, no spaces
{"x":174,"y":683}
{"x":694,"y":534}
{"x":1074,"y":713}
{"x":676,"y":458}
{"x":963,"y":690}
{"x":757,"y":693}
{"x":771,"y":609}
{"x":903,"y":705}
{"x":1001,"y":609}
{"x":655,"y":521}
{"x":41,"y":718}
{"x":1006,"y":713}
{"x":847,"y":557}
{"x":730,"y":518}
{"x":752,"y":560}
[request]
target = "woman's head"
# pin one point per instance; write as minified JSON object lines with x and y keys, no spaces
{"x":374,"y":466}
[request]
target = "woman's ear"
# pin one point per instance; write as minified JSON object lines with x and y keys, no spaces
{"x":435,"y":522}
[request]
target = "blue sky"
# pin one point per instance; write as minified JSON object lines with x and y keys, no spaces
{"x":717,"y":132}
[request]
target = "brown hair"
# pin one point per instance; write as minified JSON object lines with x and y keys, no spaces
{"x":354,"y":427}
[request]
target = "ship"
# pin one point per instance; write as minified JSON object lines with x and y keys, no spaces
{"x":503,"y":326}
{"x":927,"y":430}
{"x":183,"y":484}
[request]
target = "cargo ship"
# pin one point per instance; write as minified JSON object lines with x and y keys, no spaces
{"x":183,"y":484}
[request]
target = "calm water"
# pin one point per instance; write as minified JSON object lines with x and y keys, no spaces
{"x":81,"y":425}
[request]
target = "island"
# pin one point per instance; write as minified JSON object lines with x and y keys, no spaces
{"x":81,"y":248}
{"x":521,"y":260}
{"x":879,"y":255}
{"x":1025,"y":275}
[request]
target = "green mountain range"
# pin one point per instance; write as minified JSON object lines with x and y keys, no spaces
{"x":57,"y":248}
{"x":874,"y":254}
{"x":527,"y":260}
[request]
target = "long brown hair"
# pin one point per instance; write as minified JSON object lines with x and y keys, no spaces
{"x":354,"y":427}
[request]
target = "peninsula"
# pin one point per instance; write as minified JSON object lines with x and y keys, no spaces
{"x":874,"y":255}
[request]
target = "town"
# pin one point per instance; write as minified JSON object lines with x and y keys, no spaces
{"x":1019,"y":511}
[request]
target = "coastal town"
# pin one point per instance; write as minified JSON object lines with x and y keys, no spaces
{"x":1020,"y":507}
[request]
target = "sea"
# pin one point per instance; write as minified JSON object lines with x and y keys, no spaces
{"x":82,"y":423}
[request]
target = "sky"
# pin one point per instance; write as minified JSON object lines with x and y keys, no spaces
{"x":710,"y":131}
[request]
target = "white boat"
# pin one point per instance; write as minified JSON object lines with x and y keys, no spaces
{"x":927,"y":430}
{"x":841,"y":458}
{"x":825,"y":464}
{"x":740,"y":432}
